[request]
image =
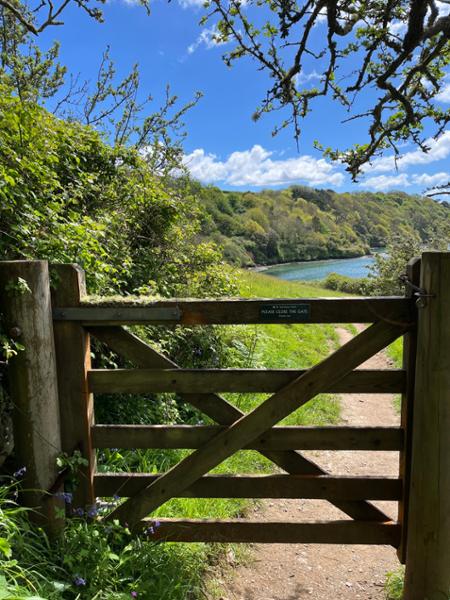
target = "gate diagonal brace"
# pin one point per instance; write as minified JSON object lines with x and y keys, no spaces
{"x":250,"y":426}
{"x":217,"y":408}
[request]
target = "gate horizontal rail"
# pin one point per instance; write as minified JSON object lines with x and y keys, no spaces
{"x":215,"y":312}
{"x":331,"y":532}
{"x":278,"y":438}
{"x":203,"y":381}
{"x":260,"y":486}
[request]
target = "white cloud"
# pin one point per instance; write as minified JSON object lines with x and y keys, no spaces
{"x":322,"y":17}
{"x":307,"y":77}
{"x":444,"y":94}
{"x":397,"y":27}
{"x":438,"y":150}
{"x":209,"y":37}
{"x":255,"y":167}
{"x":191,"y":3}
{"x":443,"y":8}
{"x":386,"y":182}
{"x":401,"y":180}
{"x":430,"y":180}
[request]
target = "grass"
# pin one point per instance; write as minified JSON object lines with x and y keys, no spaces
{"x":394,"y":584}
{"x":395,"y":353}
{"x":258,"y":285}
{"x":114,"y":565}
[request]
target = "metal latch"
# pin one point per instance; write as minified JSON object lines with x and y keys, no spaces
{"x":418,"y":292}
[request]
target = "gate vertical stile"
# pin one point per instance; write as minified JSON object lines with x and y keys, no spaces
{"x":407,"y":405}
{"x":73,"y":359}
{"x":428,"y":536}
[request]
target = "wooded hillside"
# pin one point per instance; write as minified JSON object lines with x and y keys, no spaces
{"x":301,"y":223}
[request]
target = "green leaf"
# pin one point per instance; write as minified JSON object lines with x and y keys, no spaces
{"x":5,"y":547}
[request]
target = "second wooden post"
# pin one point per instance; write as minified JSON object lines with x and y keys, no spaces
{"x":428,"y":540}
{"x":73,"y":361}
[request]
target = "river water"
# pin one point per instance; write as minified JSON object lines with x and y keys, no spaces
{"x":319,"y":269}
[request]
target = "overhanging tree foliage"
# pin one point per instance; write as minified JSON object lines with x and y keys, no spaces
{"x":118,"y":107}
{"x":40,"y":14}
{"x":345,"y":49}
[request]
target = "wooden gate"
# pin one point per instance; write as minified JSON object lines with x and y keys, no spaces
{"x":389,"y":319}
{"x":422,"y":531}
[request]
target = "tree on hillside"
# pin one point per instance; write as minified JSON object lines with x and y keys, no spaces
{"x":346,"y":50}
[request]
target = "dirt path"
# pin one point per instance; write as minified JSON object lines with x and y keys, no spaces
{"x":325,"y":572}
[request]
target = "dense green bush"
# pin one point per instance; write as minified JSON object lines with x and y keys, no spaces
{"x":68,"y":196}
{"x":362,"y":286}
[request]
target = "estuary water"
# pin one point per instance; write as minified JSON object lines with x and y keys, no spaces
{"x":319,"y":269}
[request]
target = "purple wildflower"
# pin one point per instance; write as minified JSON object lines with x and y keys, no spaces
{"x":92,"y":512}
{"x":66,"y":496}
{"x":79,"y":512}
{"x":134,"y":594}
{"x":20,"y":472}
{"x":151,"y":529}
{"x":116,"y":497}
{"x":79,"y":581}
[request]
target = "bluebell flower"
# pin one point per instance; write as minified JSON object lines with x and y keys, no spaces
{"x":79,"y":512}
{"x":20,"y":472}
{"x":92,"y":512}
{"x":79,"y":581}
{"x":66,"y":496}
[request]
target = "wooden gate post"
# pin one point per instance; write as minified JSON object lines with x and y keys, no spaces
{"x":73,"y":361}
{"x":27,"y":317}
{"x":407,"y":407}
{"x":428,"y":540}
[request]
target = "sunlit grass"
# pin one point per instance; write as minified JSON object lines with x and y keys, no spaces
{"x":395,"y":353}
{"x":259,"y":285}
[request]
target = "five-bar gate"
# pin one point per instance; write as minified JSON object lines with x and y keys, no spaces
{"x":74,"y":320}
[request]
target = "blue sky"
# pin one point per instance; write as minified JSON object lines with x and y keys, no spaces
{"x":224,"y":146}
